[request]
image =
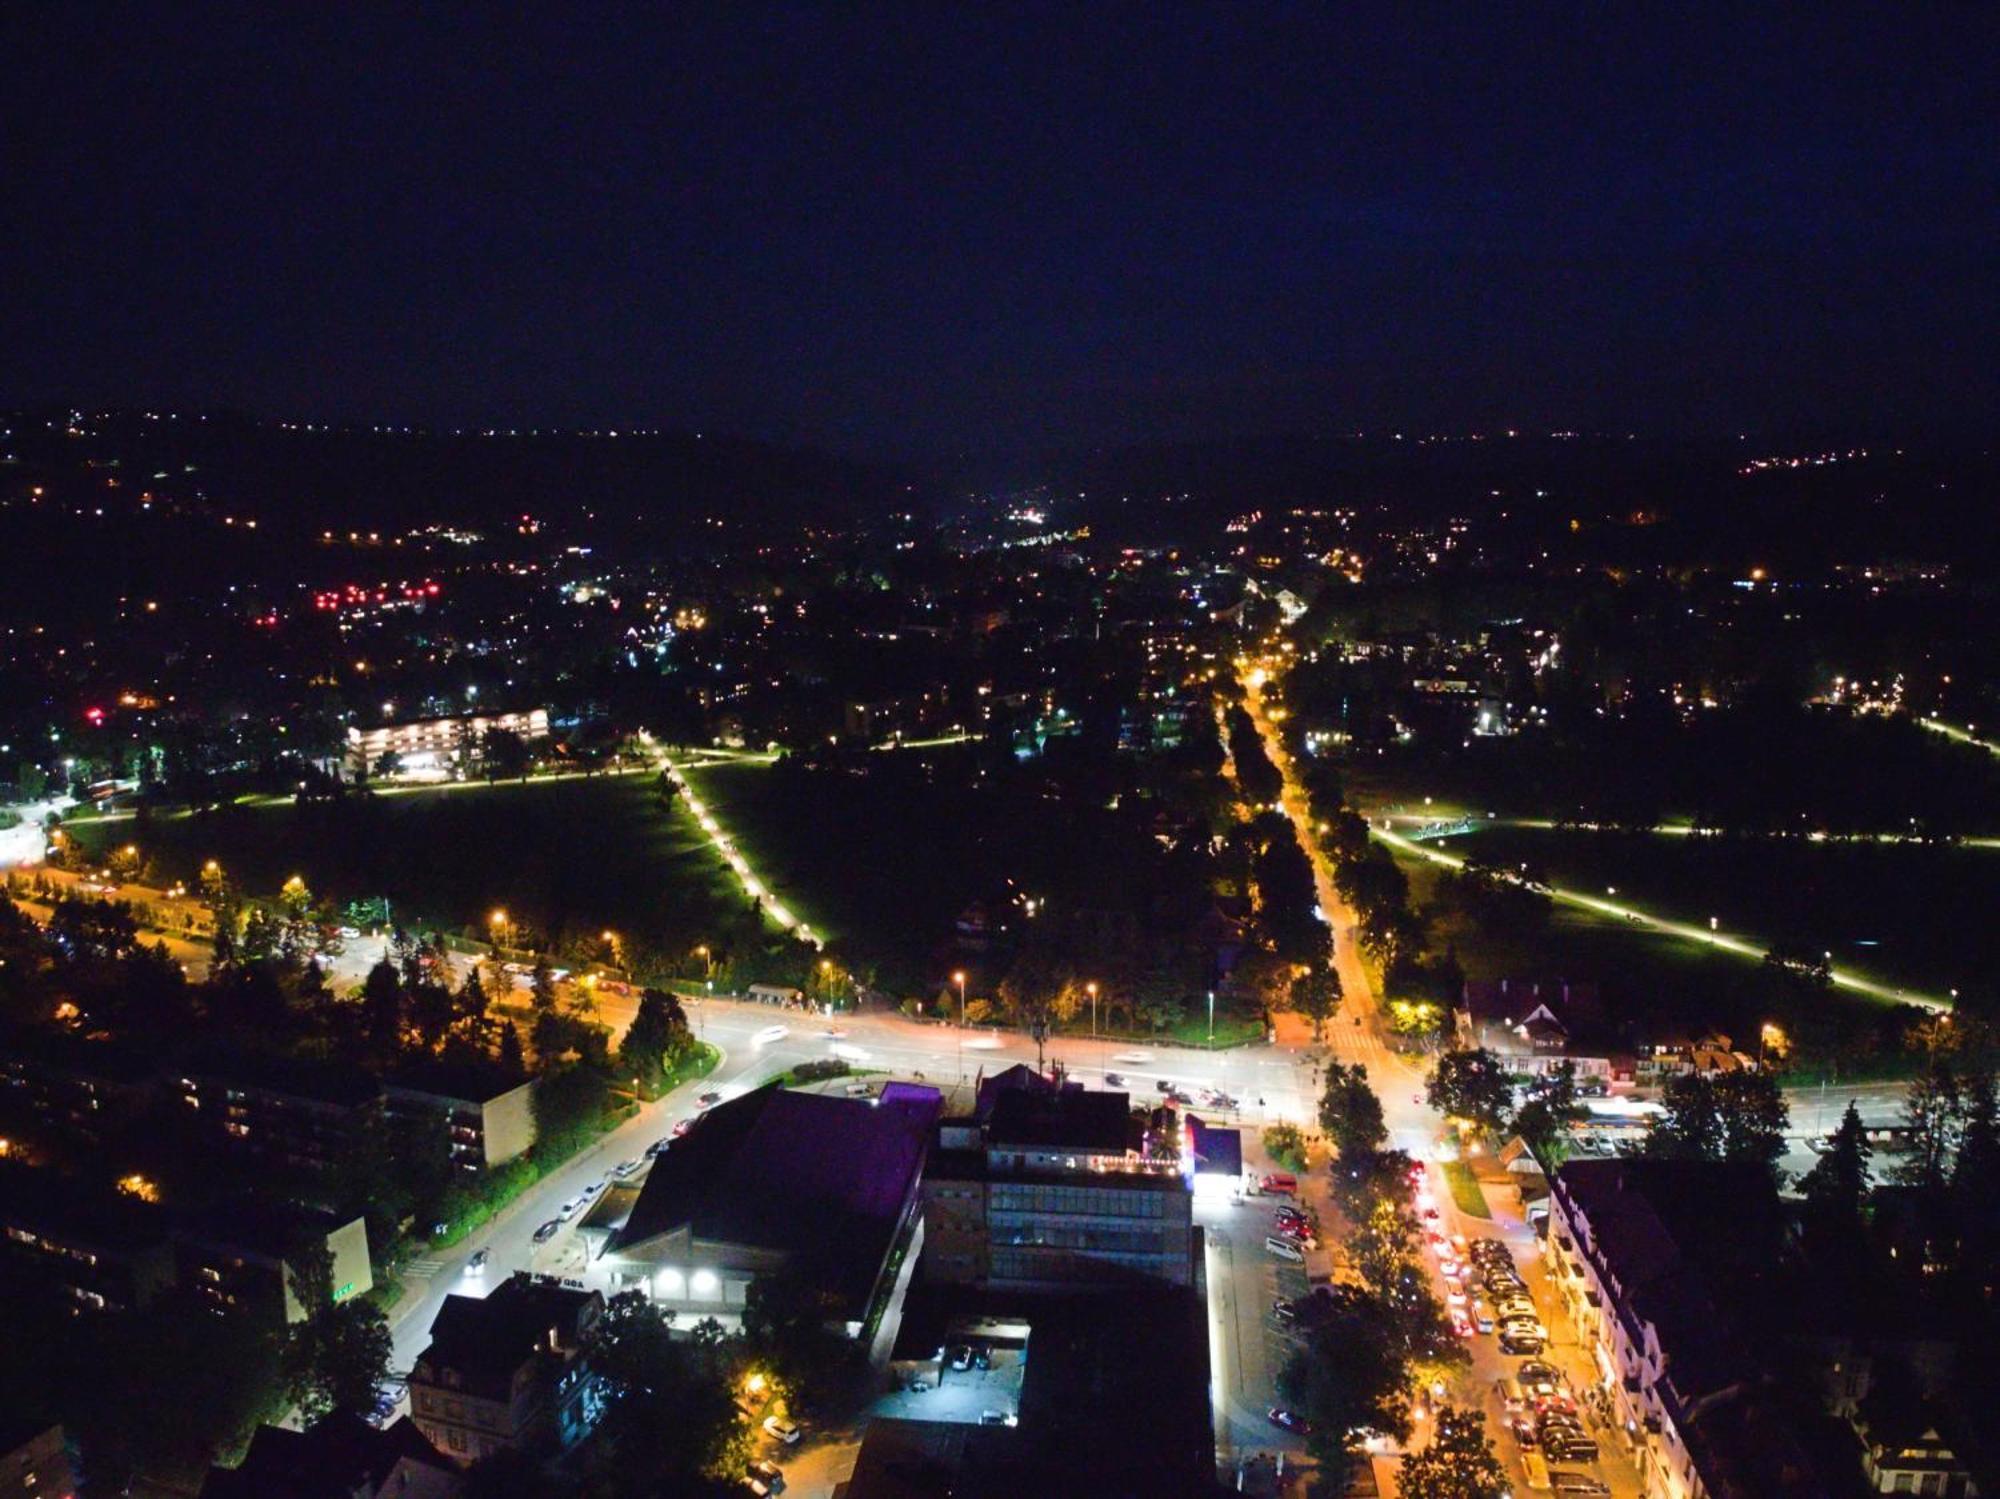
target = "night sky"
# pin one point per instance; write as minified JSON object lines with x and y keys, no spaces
{"x":983,"y":228}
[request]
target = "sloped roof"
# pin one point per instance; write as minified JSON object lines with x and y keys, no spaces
{"x":328,"y":1461}
{"x":486,"y":1340}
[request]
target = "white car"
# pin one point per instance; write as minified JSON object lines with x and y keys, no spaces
{"x":771,"y":1033}
{"x":781,"y":1429}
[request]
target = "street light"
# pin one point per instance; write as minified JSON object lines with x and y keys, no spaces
{"x":958,"y":978}
{"x":1769,"y":1036}
{"x":498,"y":922}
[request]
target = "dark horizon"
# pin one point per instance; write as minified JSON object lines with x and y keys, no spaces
{"x":908,"y":236}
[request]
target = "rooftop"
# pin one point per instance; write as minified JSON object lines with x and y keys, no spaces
{"x":331,"y":1460}
{"x":468,"y":1079}
{"x":66,"y":1209}
{"x":820,"y":1178}
{"x":488,"y":1339}
{"x":1075,"y":1118}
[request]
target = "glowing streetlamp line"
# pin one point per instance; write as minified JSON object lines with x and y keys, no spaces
{"x":1687,"y":930}
{"x":725,"y":845}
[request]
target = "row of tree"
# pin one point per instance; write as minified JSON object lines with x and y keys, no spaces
{"x":1374,"y":1345}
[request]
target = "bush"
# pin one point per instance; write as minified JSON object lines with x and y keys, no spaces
{"x":1286,"y":1146}
{"x":814,"y":1072}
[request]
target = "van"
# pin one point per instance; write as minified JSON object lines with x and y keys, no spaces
{"x":1280,"y":1184}
{"x":1285,"y":1249}
{"x":1512,"y":1396}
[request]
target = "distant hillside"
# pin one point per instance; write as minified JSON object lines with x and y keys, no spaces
{"x":347,"y":477}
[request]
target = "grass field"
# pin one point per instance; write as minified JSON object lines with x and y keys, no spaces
{"x":569,"y":857}
{"x":1648,"y":980}
{"x":1897,"y":913}
{"x":883,"y":864}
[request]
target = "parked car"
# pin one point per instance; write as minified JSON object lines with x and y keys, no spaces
{"x":658,"y":1146}
{"x":1581,"y":1485}
{"x":681,"y":1127}
{"x":548,"y":1231}
{"x":1279,"y":1184}
{"x":1284,"y":1249}
{"x":782,"y":1430}
{"x":1520,"y":1344}
{"x":1277,"y":1415}
{"x":626,"y":1170}
{"x":961,"y":1358}
{"x":769,"y":1474}
{"x":1114,"y":1079}
{"x":710,"y":1100}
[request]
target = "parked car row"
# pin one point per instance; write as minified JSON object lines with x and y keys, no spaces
{"x":1506,"y":1306}
{"x":1541,"y":1415}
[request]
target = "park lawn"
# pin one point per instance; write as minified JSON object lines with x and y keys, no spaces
{"x":564,"y":858}
{"x":883,"y":864}
{"x":1895,"y":913}
{"x":1649,"y":981}
{"x":1465,"y":1190}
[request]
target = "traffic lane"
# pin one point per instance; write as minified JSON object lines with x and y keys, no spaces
{"x":906,"y":1047}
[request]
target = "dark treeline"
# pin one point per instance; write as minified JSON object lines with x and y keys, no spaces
{"x":1756,"y":768}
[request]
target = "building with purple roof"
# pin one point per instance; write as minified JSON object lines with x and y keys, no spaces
{"x":819,"y":1187}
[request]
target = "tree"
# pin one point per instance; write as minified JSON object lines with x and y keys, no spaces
{"x":1690,"y":1128}
{"x":337,"y":1357}
{"x":542,"y":987}
{"x":1934,"y":1111}
{"x":671,"y":1423}
{"x":1543,"y":1120}
{"x":1350,"y":1113}
{"x":1754,"y":1117}
{"x":1316,"y":993}
{"x":1459,"y":1463}
{"x":1836,"y":1189}
{"x":382,"y":1009}
{"x":785,"y":1323}
{"x":1347,"y":1381}
{"x":569,"y":1109}
{"x":1470,"y":1085}
{"x":1382,"y":1248}
{"x":1731,"y":1116}
{"x":1975,"y":1177}
{"x":510,"y":1050}
{"x":658,"y":1037}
